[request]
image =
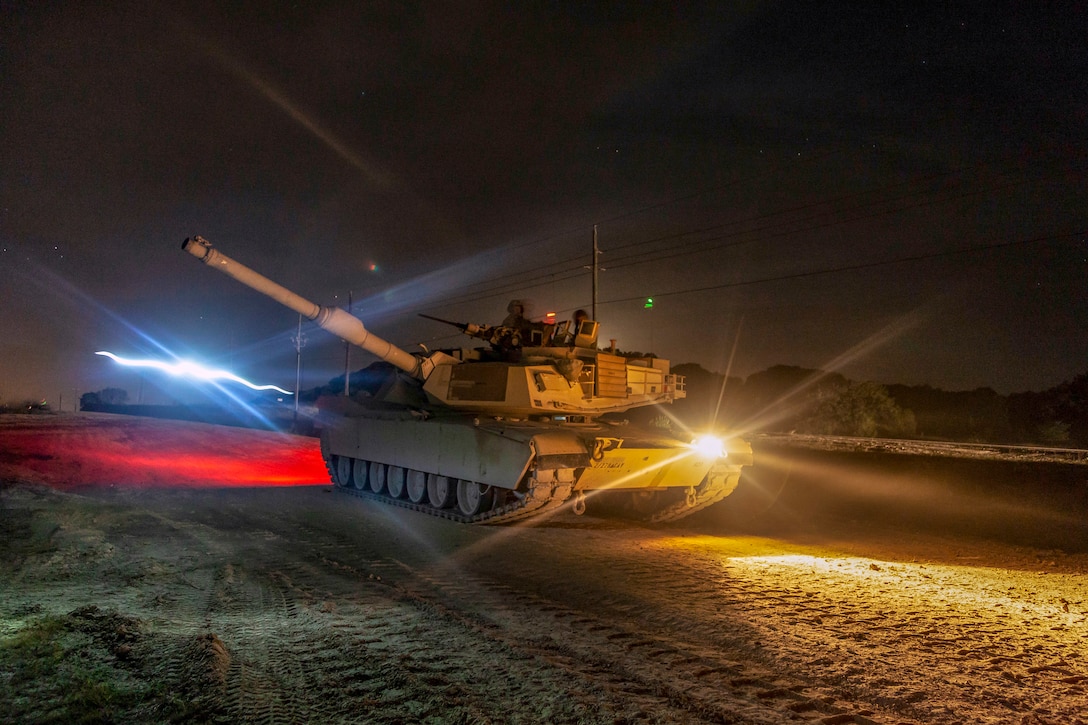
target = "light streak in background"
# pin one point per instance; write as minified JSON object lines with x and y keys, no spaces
{"x":189,"y":369}
{"x":432,"y":288}
{"x":371,"y":171}
{"x":788,"y":403}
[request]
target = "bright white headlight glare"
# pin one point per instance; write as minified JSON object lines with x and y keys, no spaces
{"x":709,"y":446}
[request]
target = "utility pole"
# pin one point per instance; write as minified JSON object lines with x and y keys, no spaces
{"x":596,"y":254}
{"x":298,"y":369}
{"x":650,"y":306}
{"x":347,"y":358}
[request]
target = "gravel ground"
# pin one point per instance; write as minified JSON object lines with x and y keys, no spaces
{"x":153,"y":573}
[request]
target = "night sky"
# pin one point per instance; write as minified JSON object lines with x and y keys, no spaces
{"x":894,"y":193}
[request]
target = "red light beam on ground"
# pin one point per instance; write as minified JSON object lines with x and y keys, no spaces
{"x":71,"y":451}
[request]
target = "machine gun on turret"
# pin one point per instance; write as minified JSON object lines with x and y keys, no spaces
{"x":500,"y":338}
{"x":534,"y":335}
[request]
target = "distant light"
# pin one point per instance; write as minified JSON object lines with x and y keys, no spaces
{"x":649,"y":303}
{"x":188,"y":369}
{"x":373,"y":267}
{"x":550,"y":316}
{"x":709,"y":446}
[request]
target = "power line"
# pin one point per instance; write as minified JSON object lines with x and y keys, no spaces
{"x":663,"y":254}
{"x":649,"y":257}
{"x":855,"y":267}
{"x":518,"y":282}
{"x":641,"y":210}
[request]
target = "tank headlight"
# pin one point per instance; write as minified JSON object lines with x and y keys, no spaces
{"x":709,"y":447}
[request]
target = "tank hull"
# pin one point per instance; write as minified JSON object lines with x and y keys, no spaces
{"x":519,"y":469}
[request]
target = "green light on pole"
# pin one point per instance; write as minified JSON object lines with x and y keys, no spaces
{"x":649,"y":303}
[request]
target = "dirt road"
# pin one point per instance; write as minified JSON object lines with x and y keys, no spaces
{"x":300,"y":604}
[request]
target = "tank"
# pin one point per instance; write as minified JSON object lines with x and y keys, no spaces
{"x":528,"y":422}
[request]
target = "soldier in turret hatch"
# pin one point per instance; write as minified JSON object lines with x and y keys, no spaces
{"x":570,"y":330}
{"x":516,"y":319}
{"x":579,"y":317}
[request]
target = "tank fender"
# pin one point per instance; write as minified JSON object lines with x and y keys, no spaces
{"x":559,"y":449}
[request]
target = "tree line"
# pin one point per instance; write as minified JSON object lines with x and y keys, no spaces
{"x":787,"y":398}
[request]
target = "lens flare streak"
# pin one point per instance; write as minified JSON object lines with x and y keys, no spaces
{"x":189,"y":369}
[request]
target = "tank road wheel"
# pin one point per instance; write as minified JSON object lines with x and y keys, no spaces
{"x":417,"y":486}
{"x":358,"y":474}
{"x":343,"y":471}
{"x":440,"y":492}
{"x":376,"y":476}
{"x":473,"y":498}
{"x":394,"y":480}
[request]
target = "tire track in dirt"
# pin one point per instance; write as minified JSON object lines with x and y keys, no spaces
{"x":294,"y":607}
{"x":469,"y":657}
{"x":979,"y":645}
{"x":853,"y":626}
{"x":466,"y":665}
{"x":700,"y":680}
{"x":628,"y":664}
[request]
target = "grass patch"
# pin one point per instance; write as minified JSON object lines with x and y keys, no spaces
{"x":69,"y":669}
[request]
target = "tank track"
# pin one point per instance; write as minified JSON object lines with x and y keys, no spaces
{"x":541,"y":498}
{"x":712,"y":490}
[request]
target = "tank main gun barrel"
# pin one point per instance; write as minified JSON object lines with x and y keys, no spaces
{"x":345,"y":326}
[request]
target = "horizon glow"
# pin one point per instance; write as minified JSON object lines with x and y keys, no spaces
{"x":189,"y":369}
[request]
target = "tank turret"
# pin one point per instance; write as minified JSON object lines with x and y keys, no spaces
{"x":512,"y":430}
{"x":541,"y":380}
